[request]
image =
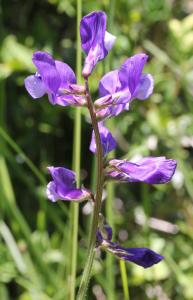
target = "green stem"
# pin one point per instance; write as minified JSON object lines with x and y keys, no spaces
{"x":97,"y":206}
{"x":76,"y":166}
{"x":110,"y":260}
{"x":124,"y":280}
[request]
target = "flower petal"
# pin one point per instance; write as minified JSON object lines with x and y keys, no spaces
{"x":63,"y":186}
{"x":99,"y":238}
{"x":55,"y":193}
{"x":109,"y":83}
{"x":92,"y":30}
{"x":95,"y":41}
{"x":152,"y":170}
{"x":62,"y":176}
{"x":67,"y":75}
{"x":145,"y":87}
{"x":143,"y":257}
{"x":47,"y":69}
{"x":107,"y":140}
{"x":131,"y":70}
{"x":117,"y":88}
{"x":104,"y":234}
{"x":109,"y":40}
{"x":109,"y":87}
{"x":122,"y":97}
{"x":69,"y":100}
{"x":35,"y":86}
{"x":108,"y":232}
{"x":111,"y":111}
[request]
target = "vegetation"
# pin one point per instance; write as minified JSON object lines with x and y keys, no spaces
{"x":35,"y":240}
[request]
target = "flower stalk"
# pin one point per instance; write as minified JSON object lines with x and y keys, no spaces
{"x":110,"y":260}
{"x":98,"y":198}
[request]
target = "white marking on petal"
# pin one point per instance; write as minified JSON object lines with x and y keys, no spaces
{"x":51,"y":191}
{"x":109,"y":40}
{"x":145,"y":87}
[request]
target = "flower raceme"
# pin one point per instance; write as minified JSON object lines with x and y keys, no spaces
{"x":117,"y":89}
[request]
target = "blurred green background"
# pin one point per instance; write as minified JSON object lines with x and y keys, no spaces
{"x":34,"y":234}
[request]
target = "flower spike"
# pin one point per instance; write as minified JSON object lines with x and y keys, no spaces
{"x":117,"y":89}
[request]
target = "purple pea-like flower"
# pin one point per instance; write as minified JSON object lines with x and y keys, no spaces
{"x":119,"y":87}
{"x":107,"y":140}
{"x":54,"y":78}
{"x":96,"y":41}
{"x":141,"y":256}
{"x":152,"y":170}
{"x":63,"y":186}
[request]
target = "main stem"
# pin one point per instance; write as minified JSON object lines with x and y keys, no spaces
{"x":97,"y":205}
{"x":76,"y":167}
{"x":110,"y":259}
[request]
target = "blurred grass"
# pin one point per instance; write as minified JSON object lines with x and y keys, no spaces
{"x":33,"y":135}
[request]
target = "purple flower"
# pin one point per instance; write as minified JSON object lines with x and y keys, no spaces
{"x":54,"y":78}
{"x":96,"y":41}
{"x":63,"y":186}
{"x":118,"y":88}
{"x":107,"y":140}
{"x":141,"y":256}
{"x":152,"y":170}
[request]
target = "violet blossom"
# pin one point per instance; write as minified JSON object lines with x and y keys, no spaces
{"x":56,"y":79}
{"x":152,"y":170}
{"x":143,"y":257}
{"x":119,"y":87}
{"x":96,"y":41}
{"x":107,"y":140}
{"x":63,"y":186}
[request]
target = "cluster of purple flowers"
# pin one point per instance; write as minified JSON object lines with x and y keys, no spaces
{"x":117,"y":89}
